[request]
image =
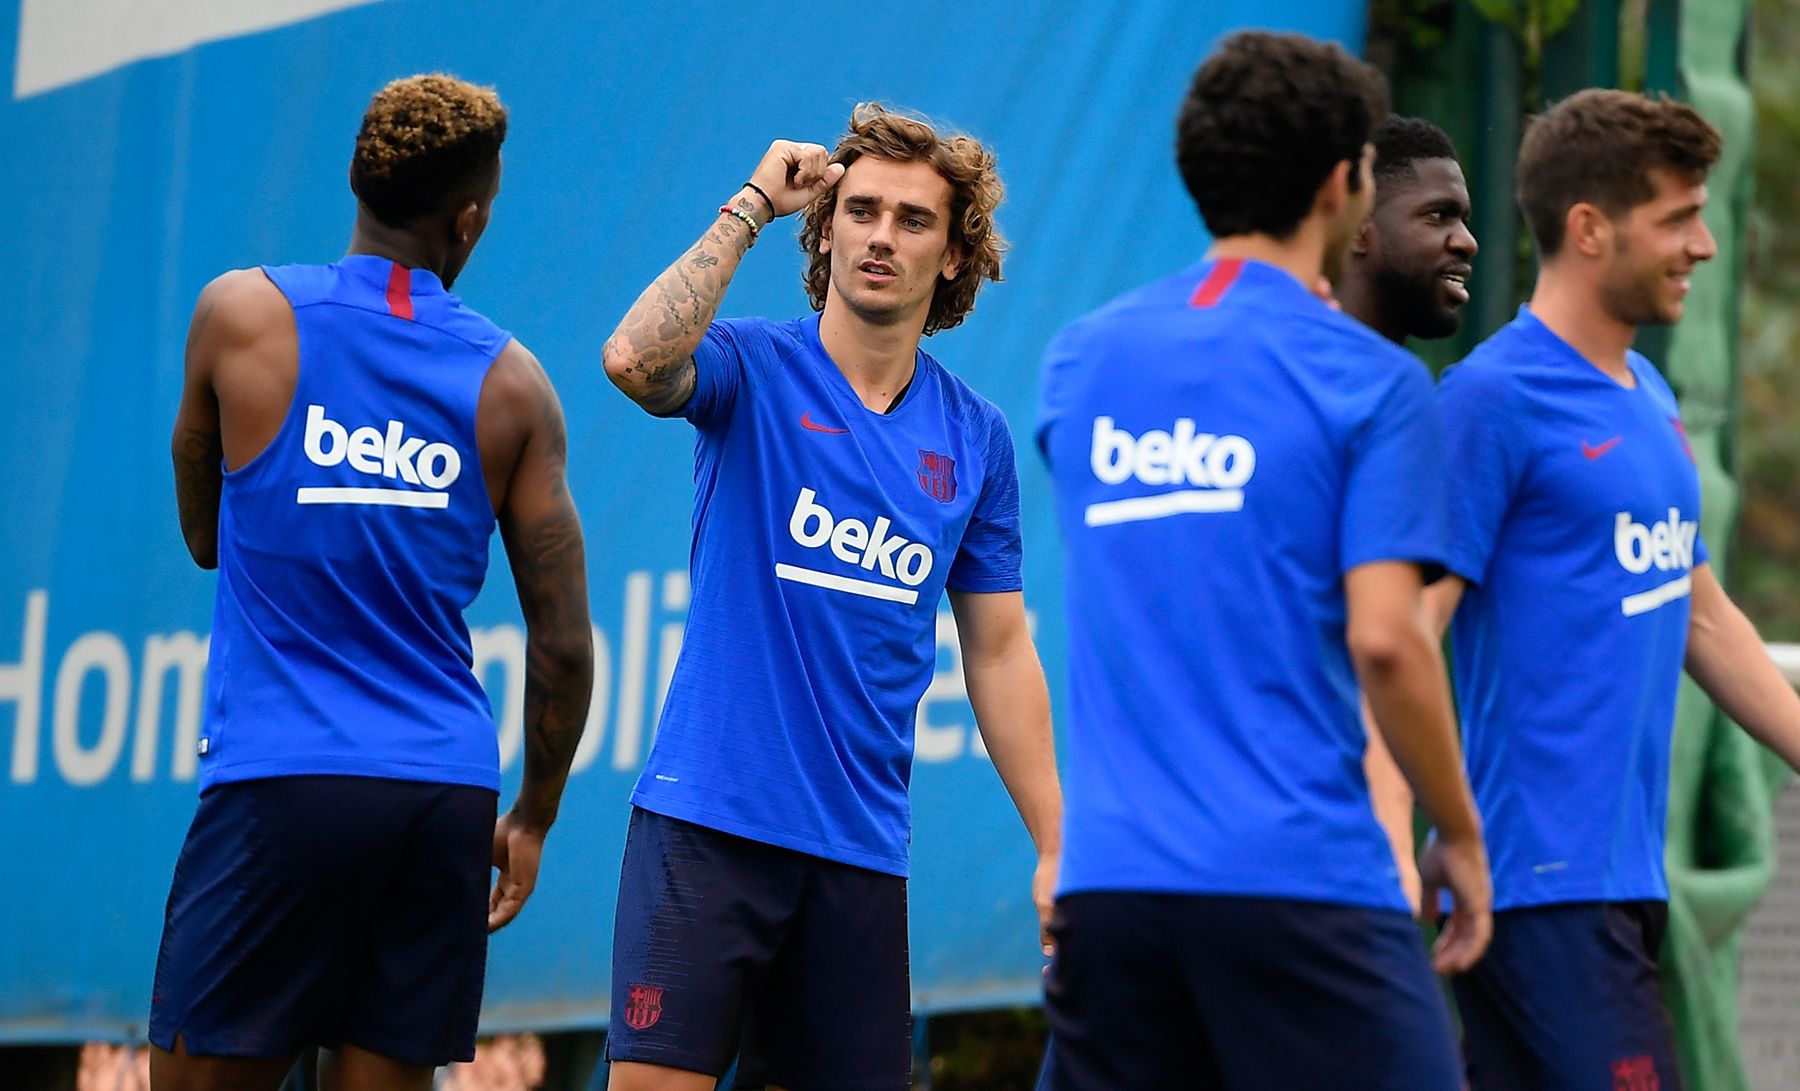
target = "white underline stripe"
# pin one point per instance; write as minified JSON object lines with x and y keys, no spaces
{"x":835,"y":582}
{"x":1645,"y":601}
{"x":399,"y":498}
{"x":1164,"y":504}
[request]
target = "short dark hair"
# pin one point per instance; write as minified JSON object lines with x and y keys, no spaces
{"x":1266,"y":120}
{"x":1400,"y":141}
{"x":425,"y":141}
{"x":1598,"y":147}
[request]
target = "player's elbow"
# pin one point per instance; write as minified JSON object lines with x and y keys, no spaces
{"x":622,"y":368}
{"x":564,"y":659}
{"x":203,"y":547}
{"x":1387,"y":647}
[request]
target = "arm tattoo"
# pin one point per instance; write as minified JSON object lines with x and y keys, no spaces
{"x":198,"y":479}
{"x":550,"y":568}
{"x":659,"y":334}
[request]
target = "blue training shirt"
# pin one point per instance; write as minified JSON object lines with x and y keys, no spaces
{"x":350,"y":546}
{"x":824,"y":536}
{"x":1224,"y":448}
{"x":1576,"y":509}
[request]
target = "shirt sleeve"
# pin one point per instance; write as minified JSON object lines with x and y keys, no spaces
{"x":1059,"y":357}
{"x":719,"y":366}
{"x":1394,"y":506}
{"x":1485,"y":464}
{"x":991,"y":552}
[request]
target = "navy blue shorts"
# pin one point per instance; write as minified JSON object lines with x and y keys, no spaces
{"x":1567,"y":999}
{"x":728,"y":947}
{"x":1206,"y":991}
{"x":324,"y":911}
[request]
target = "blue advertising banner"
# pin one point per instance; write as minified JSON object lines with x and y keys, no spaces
{"x":150,"y":146}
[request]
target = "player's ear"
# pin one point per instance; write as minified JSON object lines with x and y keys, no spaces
{"x":463,"y":226}
{"x":953,"y":262}
{"x":1587,"y":230}
{"x":1334,"y":192}
{"x":1366,"y":239}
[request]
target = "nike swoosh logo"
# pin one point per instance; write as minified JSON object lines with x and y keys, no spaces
{"x":806,"y":422}
{"x":1595,"y":450}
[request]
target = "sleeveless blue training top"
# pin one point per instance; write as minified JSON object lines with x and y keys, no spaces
{"x":349,"y":548}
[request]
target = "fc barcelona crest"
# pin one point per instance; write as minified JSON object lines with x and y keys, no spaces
{"x":937,"y":476}
{"x":644,"y":1007}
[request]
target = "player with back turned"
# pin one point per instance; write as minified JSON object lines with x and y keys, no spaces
{"x":348,"y":438}
{"x":1249,"y":488}
{"x":845,"y":480}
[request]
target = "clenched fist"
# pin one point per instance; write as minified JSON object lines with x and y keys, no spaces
{"x":793,"y":174}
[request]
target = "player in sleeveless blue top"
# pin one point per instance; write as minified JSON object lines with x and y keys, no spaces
{"x":1249,"y":487}
{"x":1579,"y":588}
{"x":844,"y":481}
{"x":348,"y":438}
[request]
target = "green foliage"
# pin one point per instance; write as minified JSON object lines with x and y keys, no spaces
{"x":1768,"y":543}
{"x":1532,"y":20}
{"x":1419,"y":25}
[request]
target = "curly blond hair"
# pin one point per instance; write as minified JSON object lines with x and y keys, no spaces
{"x":425,"y":140}
{"x":976,"y":190}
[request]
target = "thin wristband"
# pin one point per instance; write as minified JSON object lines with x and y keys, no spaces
{"x":749,"y":220}
{"x":759,"y":192}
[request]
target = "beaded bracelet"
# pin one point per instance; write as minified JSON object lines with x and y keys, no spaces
{"x":749,"y":220}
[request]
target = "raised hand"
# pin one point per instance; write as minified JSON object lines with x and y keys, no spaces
{"x":792,"y":174}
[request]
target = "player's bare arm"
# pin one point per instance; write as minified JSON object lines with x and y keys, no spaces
{"x":1401,"y":670}
{"x":1727,"y":658}
{"x":1012,"y":711}
{"x":651,"y":354}
{"x":241,"y":347}
{"x":542,"y":535}
{"x":1391,"y":795}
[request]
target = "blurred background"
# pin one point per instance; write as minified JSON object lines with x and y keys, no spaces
{"x":151,"y":144}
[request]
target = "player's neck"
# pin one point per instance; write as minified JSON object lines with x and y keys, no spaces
{"x":876,"y":359}
{"x":1360,"y":299}
{"x":1574,"y":312}
{"x":1300,"y":255}
{"x":371,"y":236}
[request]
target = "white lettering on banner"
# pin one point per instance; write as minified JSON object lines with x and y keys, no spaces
{"x":855,"y":542}
{"x":185,"y":655}
{"x":92,"y":701}
{"x":23,"y":683}
{"x":1666,"y":545}
{"x":104,"y":653}
{"x":387,"y":454}
{"x":1216,"y":467}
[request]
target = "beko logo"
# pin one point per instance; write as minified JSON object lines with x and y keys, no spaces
{"x":872,"y":548}
{"x":1215,"y":468}
{"x":1666,"y":545}
{"x":389,"y":454}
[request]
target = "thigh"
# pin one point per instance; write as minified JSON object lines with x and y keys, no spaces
{"x":1117,"y":997}
{"x":1567,"y":999}
{"x":416,"y":996}
{"x":700,"y":917}
{"x":1306,"y":994}
{"x":255,"y":937}
{"x":836,"y":1008}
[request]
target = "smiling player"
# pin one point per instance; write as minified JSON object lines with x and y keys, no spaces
{"x":1580,"y":587}
{"x":845,"y":481}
